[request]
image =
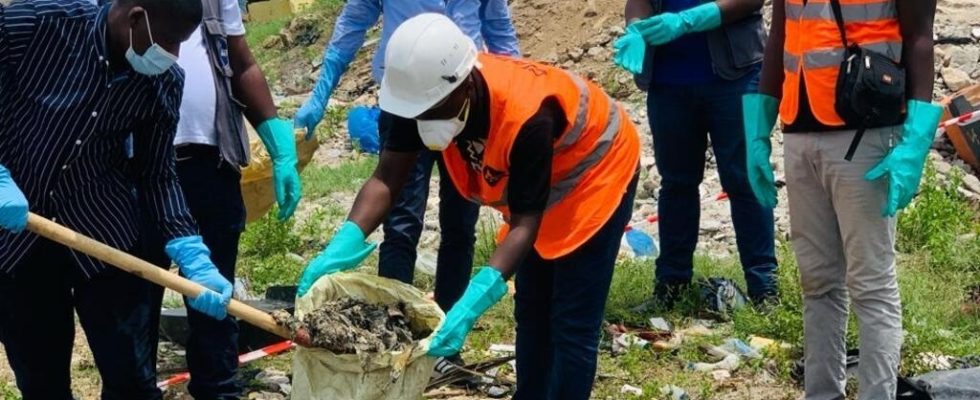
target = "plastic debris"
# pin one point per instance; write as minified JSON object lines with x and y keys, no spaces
{"x":760,"y":343}
{"x":674,"y":393}
{"x":720,"y":375}
{"x":738,"y":347}
{"x":624,"y":342}
{"x":729,"y":363}
{"x":362,"y":125}
{"x":641,"y":243}
{"x":936,"y":362}
{"x":503,"y":349}
{"x":660,"y":324}
{"x":629,"y":389}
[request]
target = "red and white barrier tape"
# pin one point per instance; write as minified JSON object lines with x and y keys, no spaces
{"x":242,"y":359}
{"x":964,"y":119}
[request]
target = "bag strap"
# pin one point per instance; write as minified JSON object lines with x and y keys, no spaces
{"x":839,"y":18}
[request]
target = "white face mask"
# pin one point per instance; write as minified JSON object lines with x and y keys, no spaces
{"x":154,"y":61}
{"x":437,"y":134}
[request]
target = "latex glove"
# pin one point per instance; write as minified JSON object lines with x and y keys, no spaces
{"x":278,"y":138}
{"x":311,"y":113}
{"x":484,"y":290}
{"x":903,"y":165}
{"x":667,"y":27}
{"x":346,"y":251}
{"x":194,"y":260}
{"x":13,"y":204}
{"x":629,"y":50}
{"x":759,"y":116}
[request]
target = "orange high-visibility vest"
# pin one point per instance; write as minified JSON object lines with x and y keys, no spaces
{"x":814,"y":51}
{"x":594,"y":159}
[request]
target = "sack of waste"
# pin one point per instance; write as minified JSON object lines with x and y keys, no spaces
{"x":403,"y":373}
{"x":257,"y":190}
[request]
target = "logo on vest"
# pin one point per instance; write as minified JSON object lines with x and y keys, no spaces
{"x":492,"y":176}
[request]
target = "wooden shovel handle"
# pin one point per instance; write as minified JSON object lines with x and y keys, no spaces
{"x":55,"y":232}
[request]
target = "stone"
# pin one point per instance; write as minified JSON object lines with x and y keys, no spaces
{"x":600,"y":39}
{"x":964,"y":57}
{"x":551,"y":58}
{"x":575,"y":54}
{"x":272,"y":42}
{"x":971,"y":182}
{"x":943,"y":167}
{"x":646,"y":210}
{"x":711,"y":226}
{"x":955,"y":79}
{"x":598,"y":52}
{"x":617,"y":30}
{"x":647,"y":161}
{"x":975,"y":32}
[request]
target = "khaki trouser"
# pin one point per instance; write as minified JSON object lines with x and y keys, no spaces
{"x":845,"y":250}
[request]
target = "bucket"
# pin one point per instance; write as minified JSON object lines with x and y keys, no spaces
{"x":324,"y":375}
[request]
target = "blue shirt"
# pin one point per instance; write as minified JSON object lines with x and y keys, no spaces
{"x":487,"y":22}
{"x":65,"y":114}
{"x":685,"y":61}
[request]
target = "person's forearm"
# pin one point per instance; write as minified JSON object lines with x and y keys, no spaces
{"x":519,"y":240}
{"x":916,"y":21}
{"x":249,"y":84}
{"x":735,"y":10}
{"x":637,"y":9}
{"x":772,"y":75}
{"x":380,"y":192}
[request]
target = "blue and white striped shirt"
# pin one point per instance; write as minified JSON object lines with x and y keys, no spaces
{"x":65,"y":114}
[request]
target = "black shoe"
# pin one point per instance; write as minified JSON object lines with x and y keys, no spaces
{"x":664,"y":299}
{"x":447,"y":365}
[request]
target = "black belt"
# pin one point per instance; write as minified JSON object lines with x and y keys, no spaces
{"x":196,"y":151}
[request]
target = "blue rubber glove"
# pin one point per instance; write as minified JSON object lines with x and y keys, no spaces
{"x":13,"y":204}
{"x":278,"y":138}
{"x":194,"y":260}
{"x":759,"y":116}
{"x":903,"y":165}
{"x":485,"y":290}
{"x":629,"y":50}
{"x":345,"y":251}
{"x":311,"y":113}
{"x":667,"y":27}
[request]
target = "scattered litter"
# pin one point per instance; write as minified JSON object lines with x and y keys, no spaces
{"x":695,"y":331}
{"x":720,"y":375}
{"x":274,"y":380}
{"x":760,"y":343}
{"x":674,"y":392}
{"x":729,"y":363}
{"x":668,"y":345}
{"x":633,"y":390}
{"x":660,"y":324}
{"x":738,"y":347}
{"x":641,"y":243}
{"x":624,"y":342}
{"x":722,"y":297}
{"x":503,"y":349}
{"x":936,"y":362}
{"x":966,"y":362}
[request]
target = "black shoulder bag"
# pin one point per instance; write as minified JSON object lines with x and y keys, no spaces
{"x":870,"y":87}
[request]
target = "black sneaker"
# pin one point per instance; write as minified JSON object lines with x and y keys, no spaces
{"x":448,"y":365}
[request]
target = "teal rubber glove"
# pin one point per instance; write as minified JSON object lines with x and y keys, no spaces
{"x":194,"y":260}
{"x":759,"y":116}
{"x":485,"y":290}
{"x":311,"y":113}
{"x":903,"y":165}
{"x":278,"y":138}
{"x":13,"y":204}
{"x":667,"y":27}
{"x":629,"y":51}
{"x":345,"y":251}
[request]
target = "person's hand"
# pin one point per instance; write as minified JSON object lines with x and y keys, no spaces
{"x":278,"y":138}
{"x":311,"y":113}
{"x":667,"y":27}
{"x":484,"y":290}
{"x":903,"y":165}
{"x":194,"y":260}
{"x":629,"y":51}
{"x":759,"y":116}
{"x":346,"y":251}
{"x":13,"y":204}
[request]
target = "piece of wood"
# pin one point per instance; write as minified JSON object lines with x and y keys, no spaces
{"x":74,"y":240}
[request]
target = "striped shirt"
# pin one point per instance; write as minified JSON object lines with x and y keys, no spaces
{"x":65,"y":114}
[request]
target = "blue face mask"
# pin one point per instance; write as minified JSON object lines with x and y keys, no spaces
{"x":155,"y":60}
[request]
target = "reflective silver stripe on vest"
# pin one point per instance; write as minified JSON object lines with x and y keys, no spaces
{"x":566,"y":184}
{"x":833,"y":57}
{"x":791,"y":62}
{"x":851,"y":12}
{"x":580,"y":117}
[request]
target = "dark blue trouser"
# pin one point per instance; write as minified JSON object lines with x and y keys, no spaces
{"x":214,"y":197}
{"x":457,"y":224}
{"x":682,"y":118}
{"x":559,"y":309}
{"x":37,"y":326}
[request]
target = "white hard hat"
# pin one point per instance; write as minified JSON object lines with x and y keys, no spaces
{"x":428,"y":56}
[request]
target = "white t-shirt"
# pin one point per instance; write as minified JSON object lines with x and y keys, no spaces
{"x":197,"y":109}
